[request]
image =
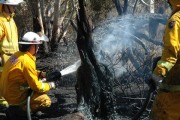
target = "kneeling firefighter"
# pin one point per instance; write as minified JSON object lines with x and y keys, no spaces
{"x":20,"y":76}
{"x":166,"y":76}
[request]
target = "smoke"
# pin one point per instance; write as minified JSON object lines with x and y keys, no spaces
{"x":125,"y":46}
{"x":119,"y":43}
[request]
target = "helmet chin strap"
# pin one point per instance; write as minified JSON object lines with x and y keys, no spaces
{"x":9,"y":10}
{"x":36,"y":47}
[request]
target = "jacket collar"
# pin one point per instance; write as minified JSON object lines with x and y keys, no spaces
{"x":31,"y":56}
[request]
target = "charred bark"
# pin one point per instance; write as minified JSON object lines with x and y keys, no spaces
{"x":125,"y":6}
{"x":94,"y":80}
{"x":36,"y":25}
{"x":118,"y":7}
{"x":121,"y":10}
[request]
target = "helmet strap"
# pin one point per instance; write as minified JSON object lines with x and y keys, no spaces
{"x":36,"y":47}
{"x":9,"y":10}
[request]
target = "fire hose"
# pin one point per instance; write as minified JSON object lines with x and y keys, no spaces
{"x":152,"y":89}
{"x":28,"y":105}
{"x":150,"y":94}
{"x":53,"y":76}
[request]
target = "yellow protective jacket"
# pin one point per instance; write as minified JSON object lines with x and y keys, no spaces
{"x":169,"y":64}
{"x":166,"y":105}
{"x":19,"y":73}
{"x":8,"y":36}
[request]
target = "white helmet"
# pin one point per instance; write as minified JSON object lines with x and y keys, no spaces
{"x":44,"y":38}
{"x":33,"y":38}
{"x":11,"y":2}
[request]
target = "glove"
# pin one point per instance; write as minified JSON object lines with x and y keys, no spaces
{"x":155,"y":81}
{"x":52,"y":85}
{"x":42,"y":80}
{"x":56,"y":74}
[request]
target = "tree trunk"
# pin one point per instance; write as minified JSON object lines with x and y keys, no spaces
{"x":55,"y":32}
{"x":40,"y":18}
{"x":125,"y":7}
{"x":118,"y":7}
{"x":94,"y":93}
{"x":152,"y":9}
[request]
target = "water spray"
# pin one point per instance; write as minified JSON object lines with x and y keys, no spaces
{"x":56,"y":74}
{"x":70,"y":69}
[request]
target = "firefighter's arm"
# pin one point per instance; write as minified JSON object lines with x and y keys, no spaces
{"x":165,"y":64}
{"x":171,"y":49}
{"x":170,"y":52}
{"x":31,"y":76}
{"x":2,"y":32}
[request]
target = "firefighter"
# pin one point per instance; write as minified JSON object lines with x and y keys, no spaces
{"x":19,"y":76}
{"x":166,"y":76}
{"x":8,"y":35}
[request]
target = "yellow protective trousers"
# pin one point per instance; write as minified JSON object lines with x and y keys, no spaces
{"x":166,"y":106}
{"x":39,"y":101}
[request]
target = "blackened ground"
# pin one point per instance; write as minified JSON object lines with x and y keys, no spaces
{"x":63,"y":105}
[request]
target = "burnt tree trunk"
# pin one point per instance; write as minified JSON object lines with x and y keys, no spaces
{"x":54,"y":40}
{"x":94,"y":80}
{"x":121,"y":10}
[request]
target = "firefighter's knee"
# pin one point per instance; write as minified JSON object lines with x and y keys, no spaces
{"x":40,"y":101}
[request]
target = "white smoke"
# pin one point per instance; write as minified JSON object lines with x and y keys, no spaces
{"x":114,"y":37}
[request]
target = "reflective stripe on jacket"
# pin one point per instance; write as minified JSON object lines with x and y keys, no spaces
{"x":20,"y":70}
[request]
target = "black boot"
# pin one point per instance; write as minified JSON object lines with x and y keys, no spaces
{"x":15,"y":113}
{"x":39,"y":114}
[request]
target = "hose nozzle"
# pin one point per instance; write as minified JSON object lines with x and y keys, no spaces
{"x":54,"y":75}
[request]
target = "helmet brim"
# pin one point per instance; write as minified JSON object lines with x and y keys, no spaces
{"x":15,"y":3}
{"x":30,"y":43}
{"x":44,"y":38}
